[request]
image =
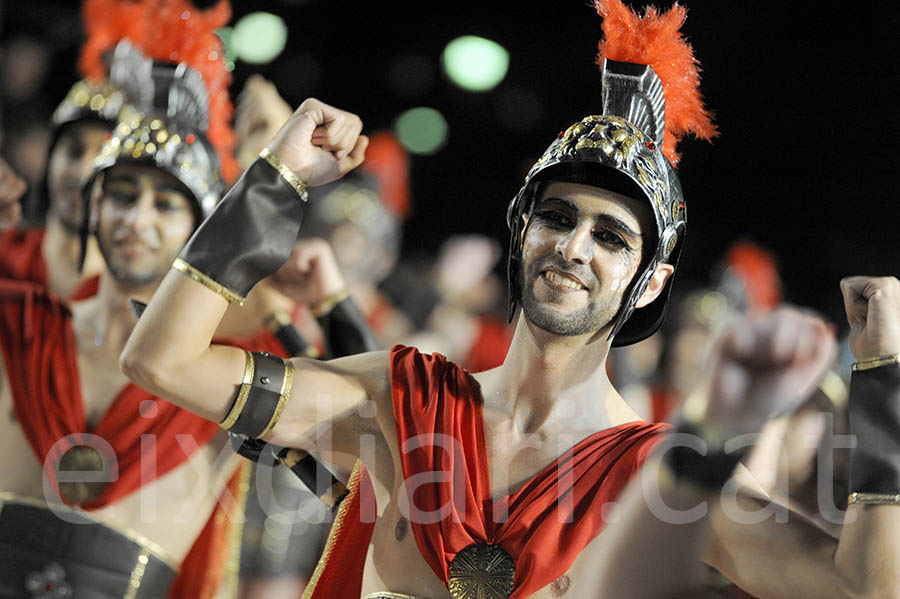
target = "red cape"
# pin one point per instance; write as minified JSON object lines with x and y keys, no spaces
{"x":550,"y":519}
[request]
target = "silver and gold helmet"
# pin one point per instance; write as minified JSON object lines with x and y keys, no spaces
{"x":165,"y":125}
{"x":619,"y":150}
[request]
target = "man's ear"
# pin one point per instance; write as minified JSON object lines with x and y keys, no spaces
{"x":658,"y":281}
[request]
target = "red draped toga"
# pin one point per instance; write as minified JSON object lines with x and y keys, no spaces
{"x":39,"y":350}
{"x":546,"y":523}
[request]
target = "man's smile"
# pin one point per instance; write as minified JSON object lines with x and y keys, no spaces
{"x":562,"y":281}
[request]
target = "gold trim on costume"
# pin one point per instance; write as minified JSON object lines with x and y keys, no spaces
{"x":137,"y":575}
{"x":283,"y":396}
{"x":286,"y":173}
{"x":232,"y":570}
{"x":322,"y":308}
{"x":336,"y":527}
{"x":148,"y":545}
{"x":208,"y":282}
{"x":876,"y":362}
{"x":874,"y":499}
{"x":388,"y":595}
{"x":276,"y":320}
{"x":235,"y":412}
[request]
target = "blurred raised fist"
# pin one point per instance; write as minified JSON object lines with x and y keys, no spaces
{"x":311,"y":274}
{"x":766,"y":366}
{"x":260,"y":112}
{"x":873,"y":311}
{"x":12,"y":188}
{"x":320,"y":143}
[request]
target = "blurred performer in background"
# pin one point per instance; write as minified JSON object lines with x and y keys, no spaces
{"x":141,"y":529}
{"x":47,"y":249}
{"x":653,"y":559}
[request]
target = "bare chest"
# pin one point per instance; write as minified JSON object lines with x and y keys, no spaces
{"x":394,"y":563}
{"x":101,"y":379}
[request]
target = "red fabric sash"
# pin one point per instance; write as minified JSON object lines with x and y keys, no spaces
{"x":40,"y":356}
{"x":339,"y":573}
{"x":39,"y":352}
{"x":21,"y":255}
{"x":22,"y":259}
{"x":549,"y":520}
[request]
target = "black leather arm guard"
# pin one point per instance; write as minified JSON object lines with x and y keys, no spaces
{"x":875,"y":421}
{"x":264,"y":390}
{"x":346,"y":330}
{"x":248,"y":236}
{"x":710,"y":470}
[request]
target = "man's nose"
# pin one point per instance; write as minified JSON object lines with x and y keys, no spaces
{"x":142,"y":214}
{"x":577,"y":245}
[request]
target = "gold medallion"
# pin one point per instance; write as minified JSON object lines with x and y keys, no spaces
{"x":482,"y":571}
{"x":81,"y":458}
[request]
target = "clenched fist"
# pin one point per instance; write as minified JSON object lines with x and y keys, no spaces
{"x":766,"y":366}
{"x":311,"y":274}
{"x":873,"y":311}
{"x":320,"y":143}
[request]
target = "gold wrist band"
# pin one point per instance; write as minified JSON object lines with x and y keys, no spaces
{"x":322,"y":308}
{"x":873,"y":499}
{"x":870,"y":363}
{"x":286,"y":173}
{"x":239,"y":403}
{"x":276,"y":320}
{"x":285,"y":394}
{"x":208,"y":282}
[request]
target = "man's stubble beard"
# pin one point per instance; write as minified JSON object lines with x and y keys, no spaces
{"x":591,"y":318}
{"x":129,"y":278}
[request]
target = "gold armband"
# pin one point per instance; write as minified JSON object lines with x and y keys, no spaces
{"x":264,"y":391}
{"x":870,"y":363}
{"x":873,"y":499}
{"x":208,"y":282}
{"x":286,"y":173}
{"x":322,"y":308}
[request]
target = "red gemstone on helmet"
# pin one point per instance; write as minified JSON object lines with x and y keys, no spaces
{"x":561,"y":133}
{"x":189,"y":138}
{"x":651,"y":145}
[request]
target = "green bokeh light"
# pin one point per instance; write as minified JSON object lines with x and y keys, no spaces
{"x":475,"y":63}
{"x":421,"y":130}
{"x":259,"y":37}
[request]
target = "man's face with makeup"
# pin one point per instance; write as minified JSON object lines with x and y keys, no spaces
{"x":145,"y":216}
{"x":581,"y":251}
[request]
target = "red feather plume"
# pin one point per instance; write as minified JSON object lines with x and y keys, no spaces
{"x":169,"y":31}
{"x":757,"y":269}
{"x":656,"y":40}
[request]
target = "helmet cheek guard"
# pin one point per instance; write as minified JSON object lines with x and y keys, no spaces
{"x":619,"y":150}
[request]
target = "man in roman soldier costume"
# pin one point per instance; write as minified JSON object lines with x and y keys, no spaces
{"x":98,"y":498}
{"x":498,"y":482}
{"x":47,"y":249}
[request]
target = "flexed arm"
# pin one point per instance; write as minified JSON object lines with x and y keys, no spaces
{"x":786,"y":556}
{"x":759,"y":367}
{"x":247,"y":238}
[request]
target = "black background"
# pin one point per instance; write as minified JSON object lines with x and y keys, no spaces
{"x":805,"y":99}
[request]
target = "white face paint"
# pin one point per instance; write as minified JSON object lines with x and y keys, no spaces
{"x":580,"y":252}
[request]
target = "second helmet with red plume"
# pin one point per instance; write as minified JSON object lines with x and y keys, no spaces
{"x":627,"y":149}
